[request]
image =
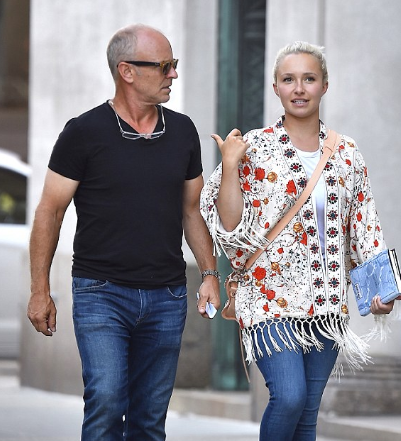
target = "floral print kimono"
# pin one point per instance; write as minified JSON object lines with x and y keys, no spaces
{"x":293,"y":282}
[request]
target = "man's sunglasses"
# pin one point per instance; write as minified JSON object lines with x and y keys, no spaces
{"x":164,"y":65}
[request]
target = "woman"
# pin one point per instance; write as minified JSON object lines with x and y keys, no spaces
{"x":292,"y":303}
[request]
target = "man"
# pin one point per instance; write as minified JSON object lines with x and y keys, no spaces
{"x":133,"y":169}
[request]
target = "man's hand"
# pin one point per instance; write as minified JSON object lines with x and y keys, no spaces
{"x":42,"y":314}
{"x":209,"y":291}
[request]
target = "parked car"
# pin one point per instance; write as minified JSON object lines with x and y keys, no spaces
{"x":14,"y":233}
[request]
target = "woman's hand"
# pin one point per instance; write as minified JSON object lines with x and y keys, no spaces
{"x":229,"y":201}
{"x":378,"y":307}
{"x":233,"y":148}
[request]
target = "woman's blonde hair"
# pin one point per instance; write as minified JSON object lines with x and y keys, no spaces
{"x":301,"y":47}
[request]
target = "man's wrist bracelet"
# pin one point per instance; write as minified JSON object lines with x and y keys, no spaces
{"x":210,"y":272}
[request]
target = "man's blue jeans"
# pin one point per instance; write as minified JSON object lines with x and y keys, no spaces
{"x":296,"y":381}
{"x":129,"y":341}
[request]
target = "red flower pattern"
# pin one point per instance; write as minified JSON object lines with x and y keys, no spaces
{"x":259,"y":174}
{"x":259,"y":273}
{"x":291,"y":188}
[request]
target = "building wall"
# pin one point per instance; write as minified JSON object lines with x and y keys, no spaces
{"x":69,"y":75}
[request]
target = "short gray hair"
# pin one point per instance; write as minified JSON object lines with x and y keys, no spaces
{"x":302,"y":47}
{"x":122,"y":46}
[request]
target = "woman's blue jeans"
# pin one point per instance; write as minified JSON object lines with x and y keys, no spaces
{"x":296,"y":381}
{"x":129,"y":341}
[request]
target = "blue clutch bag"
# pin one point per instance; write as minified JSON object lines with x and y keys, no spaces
{"x":378,"y":275}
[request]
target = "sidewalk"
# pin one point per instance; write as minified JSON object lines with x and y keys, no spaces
{"x":33,"y":415}
{"x":28,"y":414}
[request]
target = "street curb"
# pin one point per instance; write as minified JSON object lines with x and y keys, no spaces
{"x":233,"y":405}
{"x":373,"y":428}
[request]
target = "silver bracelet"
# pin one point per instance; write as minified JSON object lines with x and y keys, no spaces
{"x":210,"y":272}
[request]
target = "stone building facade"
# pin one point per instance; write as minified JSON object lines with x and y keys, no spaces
{"x":69,"y":74}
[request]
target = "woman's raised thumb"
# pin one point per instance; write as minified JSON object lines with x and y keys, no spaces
{"x":218,"y":139}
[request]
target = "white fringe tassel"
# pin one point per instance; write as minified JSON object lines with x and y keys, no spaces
{"x":297,"y":334}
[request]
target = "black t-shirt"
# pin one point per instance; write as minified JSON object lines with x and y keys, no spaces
{"x":129,"y":200}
